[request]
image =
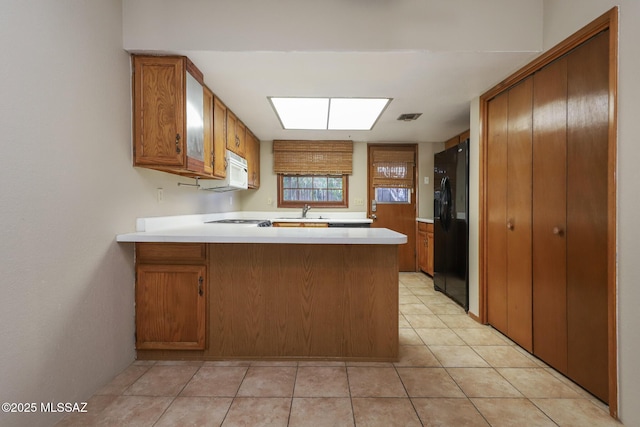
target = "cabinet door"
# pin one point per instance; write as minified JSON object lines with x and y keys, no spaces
{"x":233,"y":142}
{"x":219,"y":138}
{"x":241,"y":130}
{"x":208,"y":132}
{"x":195,"y":125}
{"x":422,"y":250}
{"x":159,"y":111}
{"x":253,"y":158}
{"x":519,"y":194}
{"x":170,"y":307}
{"x":550,"y":214}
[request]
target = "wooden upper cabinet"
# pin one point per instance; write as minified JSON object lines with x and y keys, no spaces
{"x":179,"y":125}
{"x":253,"y":158}
{"x":208,"y":132}
{"x":456,"y":139}
{"x":219,"y":138}
{"x":168,"y":111}
{"x":235,"y":134}
{"x":241,"y":131}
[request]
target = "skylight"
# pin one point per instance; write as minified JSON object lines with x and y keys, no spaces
{"x":328,"y":113}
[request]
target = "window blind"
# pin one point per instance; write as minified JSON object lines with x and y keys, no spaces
{"x":393,"y":168}
{"x":313,"y":157}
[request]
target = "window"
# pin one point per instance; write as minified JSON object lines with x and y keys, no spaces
{"x":313,"y":172}
{"x":393,"y":195}
{"x":313,"y":190}
{"x":392,"y":175}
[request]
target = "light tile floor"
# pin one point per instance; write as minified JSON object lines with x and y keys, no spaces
{"x":452,"y":372}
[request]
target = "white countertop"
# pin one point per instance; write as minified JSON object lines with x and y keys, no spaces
{"x":193,"y":229}
{"x":427,"y":220}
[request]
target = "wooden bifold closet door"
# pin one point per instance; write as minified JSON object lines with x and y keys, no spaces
{"x":547,"y":214}
{"x":509,"y":192}
{"x":587,"y":194}
{"x":550,"y":214}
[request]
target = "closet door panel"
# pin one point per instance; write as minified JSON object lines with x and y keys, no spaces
{"x":587,"y":195}
{"x":550,"y":214}
{"x":519,"y":194}
{"x":497,"y":212}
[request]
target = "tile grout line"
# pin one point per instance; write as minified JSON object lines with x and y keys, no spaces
{"x":293,"y":392}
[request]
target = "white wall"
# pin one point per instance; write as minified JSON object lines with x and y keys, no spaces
{"x":562,"y":18}
{"x":426,"y":150}
{"x":474,"y":207}
{"x":67,"y":189}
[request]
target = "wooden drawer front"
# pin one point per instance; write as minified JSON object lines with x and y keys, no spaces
{"x":187,"y":253}
{"x":425,"y":226}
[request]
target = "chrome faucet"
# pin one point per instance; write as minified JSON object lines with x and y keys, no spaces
{"x":305,"y":209}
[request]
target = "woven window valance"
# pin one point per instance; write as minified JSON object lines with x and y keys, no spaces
{"x":393,"y":168}
{"x":313,"y":157}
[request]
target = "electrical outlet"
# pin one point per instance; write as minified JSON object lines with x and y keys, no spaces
{"x":358,"y":201}
{"x":160,"y":195}
{"x":269,"y":201}
{"x":426,"y":179}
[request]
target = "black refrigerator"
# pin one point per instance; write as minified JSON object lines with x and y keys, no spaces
{"x":451,"y":223}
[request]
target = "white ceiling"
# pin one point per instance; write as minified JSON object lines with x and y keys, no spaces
{"x":431,"y":56}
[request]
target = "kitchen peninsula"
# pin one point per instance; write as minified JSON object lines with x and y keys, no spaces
{"x":214,"y":292}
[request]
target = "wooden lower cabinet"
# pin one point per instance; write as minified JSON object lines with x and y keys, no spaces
{"x":267,"y":301}
{"x":425,"y":247}
{"x":171,"y":295}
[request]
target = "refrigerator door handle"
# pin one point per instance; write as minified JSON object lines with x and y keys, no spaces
{"x":445,"y":204}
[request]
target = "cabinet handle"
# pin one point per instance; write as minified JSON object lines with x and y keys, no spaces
{"x":200,"y":281}
{"x":178,"y":143}
{"x":509,"y":225}
{"x":558,"y":231}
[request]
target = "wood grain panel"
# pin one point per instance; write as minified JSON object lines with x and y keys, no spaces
{"x":550,"y":214}
{"x":208,"y":130}
{"x":171,"y":253}
{"x":219,"y":138}
{"x":587,"y":221}
{"x":170,"y":307}
{"x":496,"y":212}
{"x":159,"y":110}
{"x":304,"y":301}
{"x":519,"y":193}
{"x":607,"y":22}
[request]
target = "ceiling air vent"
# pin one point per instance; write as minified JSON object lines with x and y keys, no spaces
{"x":409,"y":116}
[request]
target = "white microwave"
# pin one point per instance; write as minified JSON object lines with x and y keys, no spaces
{"x":237,"y":176}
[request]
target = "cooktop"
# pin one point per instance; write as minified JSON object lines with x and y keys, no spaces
{"x":258,"y":222}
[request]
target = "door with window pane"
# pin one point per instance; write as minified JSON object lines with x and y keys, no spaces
{"x":391,"y":194}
